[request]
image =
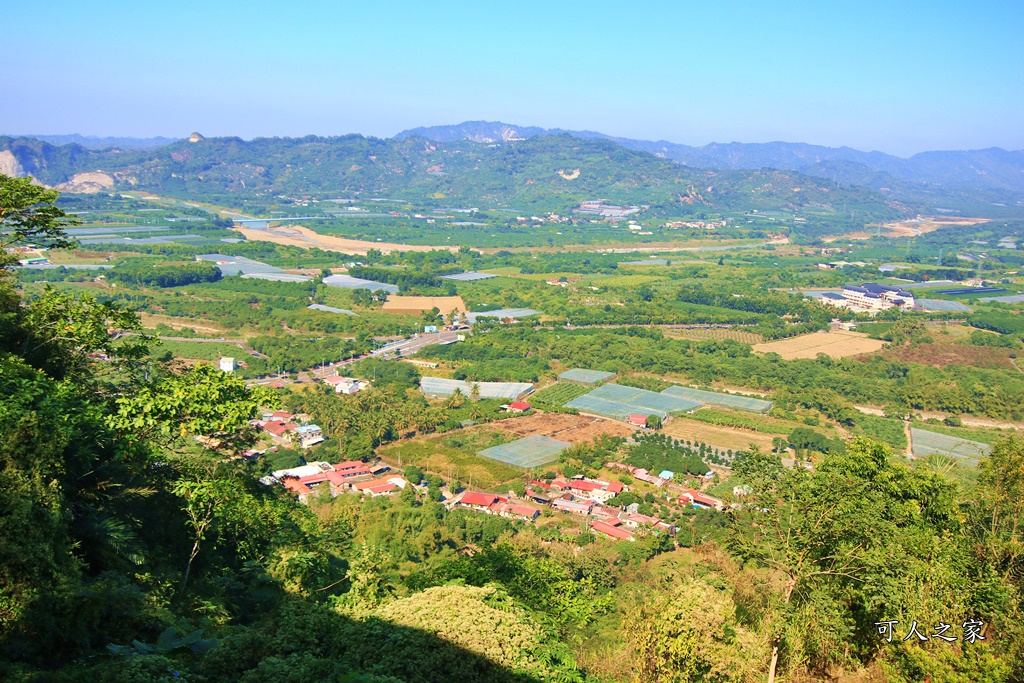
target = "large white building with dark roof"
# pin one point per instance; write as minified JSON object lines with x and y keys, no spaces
{"x":871,"y":298}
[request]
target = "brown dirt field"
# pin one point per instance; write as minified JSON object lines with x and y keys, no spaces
{"x":910,"y":228}
{"x":562,"y":426}
{"x":837,"y":344}
{"x":299,"y":236}
{"x":719,"y":437}
{"x":925,"y":224}
{"x":847,"y":236}
{"x":940,"y":355}
{"x":418,"y":304}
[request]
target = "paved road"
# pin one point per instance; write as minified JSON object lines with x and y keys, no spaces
{"x":408,"y":347}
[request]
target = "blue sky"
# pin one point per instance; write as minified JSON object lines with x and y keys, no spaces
{"x":900,"y":77}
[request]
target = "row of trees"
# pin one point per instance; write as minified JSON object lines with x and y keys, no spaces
{"x":147,"y":274}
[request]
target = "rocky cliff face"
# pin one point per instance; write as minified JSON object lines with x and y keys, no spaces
{"x":9,"y":165}
{"x":87,"y":183}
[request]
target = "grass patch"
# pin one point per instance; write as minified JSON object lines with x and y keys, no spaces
{"x":883,"y":429}
{"x":454,"y":456}
{"x":725,"y":418}
{"x":560,"y":393}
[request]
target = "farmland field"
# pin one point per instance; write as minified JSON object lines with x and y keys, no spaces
{"x":837,"y":344}
{"x":562,"y":426}
{"x":735,"y":334}
{"x":720,"y":437}
{"x":455,"y":456}
{"x":560,"y":393}
{"x":738,"y":420}
{"x":940,"y":355}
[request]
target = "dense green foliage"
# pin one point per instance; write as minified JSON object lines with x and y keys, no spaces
{"x":1003,"y":323}
{"x":141,"y":273}
{"x":655,"y":452}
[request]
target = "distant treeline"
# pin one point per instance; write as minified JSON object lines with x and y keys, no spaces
{"x":132,"y":273}
{"x":405,"y":279}
{"x":929,"y":274}
{"x":1003,"y":323}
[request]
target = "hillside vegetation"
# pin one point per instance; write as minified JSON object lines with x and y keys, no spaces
{"x":528,"y":175}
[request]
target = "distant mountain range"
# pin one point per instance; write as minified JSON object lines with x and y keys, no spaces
{"x":499,"y":165}
{"x":541,"y":173}
{"x":94,"y":142}
{"x":986,"y":175}
{"x":985,"y":169}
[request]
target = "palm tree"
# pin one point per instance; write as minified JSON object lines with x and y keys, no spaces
{"x":456,"y":399}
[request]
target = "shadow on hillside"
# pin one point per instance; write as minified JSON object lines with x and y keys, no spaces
{"x":373,"y":647}
{"x":299,"y":641}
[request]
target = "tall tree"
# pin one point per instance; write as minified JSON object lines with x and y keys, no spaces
{"x":28,"y":213}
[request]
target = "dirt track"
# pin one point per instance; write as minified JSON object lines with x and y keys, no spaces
{"x":299,"y":236}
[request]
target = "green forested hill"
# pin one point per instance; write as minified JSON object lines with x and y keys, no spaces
{"x":552,"y":173}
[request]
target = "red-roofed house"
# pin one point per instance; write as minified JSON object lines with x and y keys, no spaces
{"x":295,"y":486}
{"x":608,"y":514}
{"x":611,"y":531}
{"x":379,"y":487}
{"x":637,"y":420}
{"x":478,"y":501}
{"x":282,"y":415}
{"x":519,"y":407}
{"x":698,"y":499}
{"x":594,"y":490}
{"x":615,"y":487}
{"x":278,"y":431}
{"x":275,"y":428}
{"x":635,"y":519}
{"x":515,"y":511}
{"x":352,"y":468}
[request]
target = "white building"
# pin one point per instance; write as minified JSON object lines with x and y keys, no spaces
{"x":228,"y":364}
{"x":870,"y":298}
{"x":346,"y":385}
{"x":309,"y":435}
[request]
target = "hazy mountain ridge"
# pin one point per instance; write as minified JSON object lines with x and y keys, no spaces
{"x":989,"y":169}
{"x":549,"y":172}
{"x":97,"y":142}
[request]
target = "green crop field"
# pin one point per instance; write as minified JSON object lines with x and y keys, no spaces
{"x":560,"y":393}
